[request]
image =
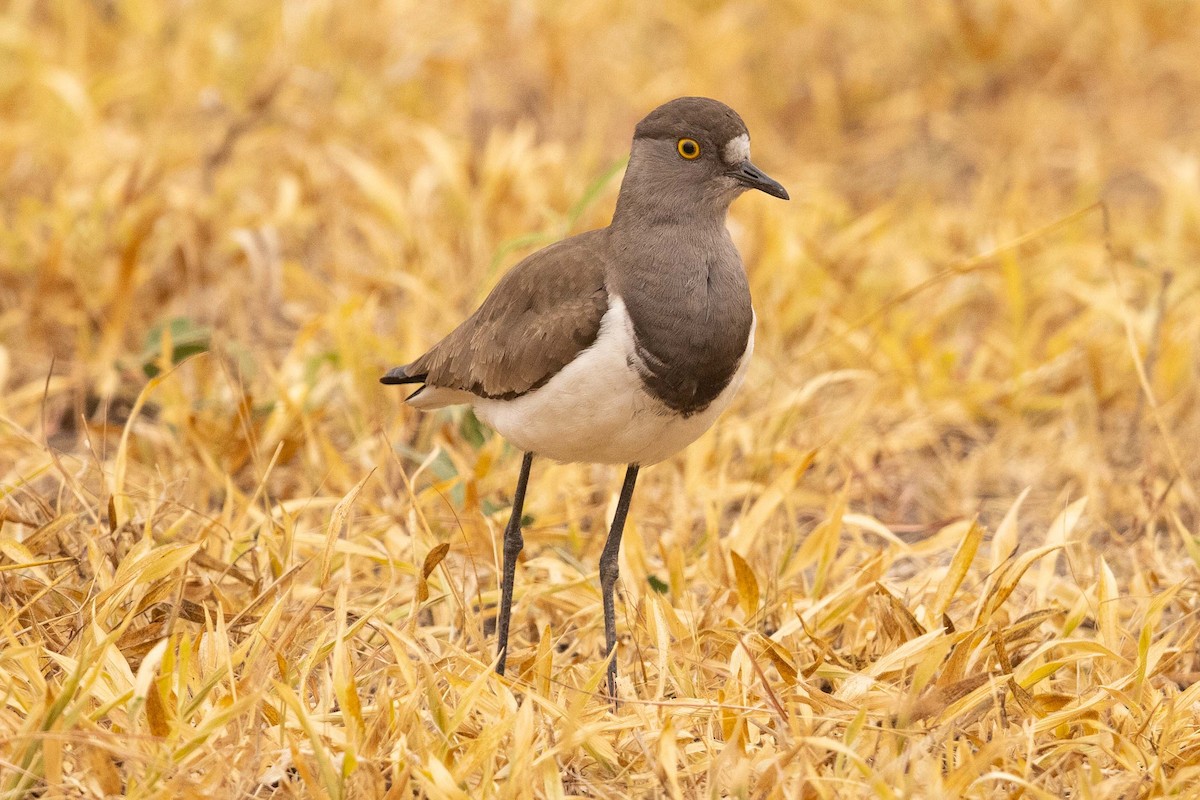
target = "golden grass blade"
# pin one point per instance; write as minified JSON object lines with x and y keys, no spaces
{"x":1003,"y":582}
{"x":747,"y":584}
{"x":820,"y":546}
{"x":959,"y":566}
{"x":337,"y":522}
{"x":328,"y":781}
{"x":1004,"y":540}
{"x":432,"y":559}
{"x":1107,"y":610}
{"x":1058,"y":534}
{"x":120,"y":503}
{"x":668,"y":758}
{"x":662,"y":633}
{"x":345,"y":687}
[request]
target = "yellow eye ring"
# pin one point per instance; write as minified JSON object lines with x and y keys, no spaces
{"x":688,"y":148}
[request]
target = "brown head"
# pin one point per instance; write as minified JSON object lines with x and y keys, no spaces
{"x":690,"y":156}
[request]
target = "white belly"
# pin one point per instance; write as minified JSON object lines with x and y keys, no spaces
{"x":596,"y":409}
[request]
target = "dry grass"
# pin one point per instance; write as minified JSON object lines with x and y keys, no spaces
{"x":944,"y":545}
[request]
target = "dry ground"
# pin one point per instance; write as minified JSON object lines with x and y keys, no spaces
{"x":945,"y":544}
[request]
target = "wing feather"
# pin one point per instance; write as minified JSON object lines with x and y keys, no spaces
{"x":542,"y":314}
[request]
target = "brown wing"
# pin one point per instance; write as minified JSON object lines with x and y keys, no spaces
{"x":538,"y":318}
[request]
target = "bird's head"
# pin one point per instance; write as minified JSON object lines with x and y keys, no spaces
{"x":691,"y":152}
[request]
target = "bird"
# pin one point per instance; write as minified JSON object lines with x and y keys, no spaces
{"x":619,"y":345}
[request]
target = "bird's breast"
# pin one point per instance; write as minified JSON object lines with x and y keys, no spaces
{"x":690,"y":340}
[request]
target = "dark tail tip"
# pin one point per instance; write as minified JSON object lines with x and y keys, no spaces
{"x":398,"y":376}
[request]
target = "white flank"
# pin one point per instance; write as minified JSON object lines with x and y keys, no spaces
{"x":595,"y":409}
{"x":737,"y":149}
{"x":431,"y":397}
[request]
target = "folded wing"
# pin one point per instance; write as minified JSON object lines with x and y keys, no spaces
{"x":538,"y":318}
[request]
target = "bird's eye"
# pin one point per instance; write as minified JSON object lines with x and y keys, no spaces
{"x":688,"y":148}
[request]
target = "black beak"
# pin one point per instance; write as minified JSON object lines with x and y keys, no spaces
{"x":754,"y":178}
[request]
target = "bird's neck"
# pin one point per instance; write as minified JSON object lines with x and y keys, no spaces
{"x":668,"y":210}
{"x":655,"y":196}
{"x":669,"y":232}
{"x":673,"y":256}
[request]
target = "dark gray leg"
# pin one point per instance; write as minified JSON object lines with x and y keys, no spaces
{"x":608,"y":575}
{"x":513,"y":542}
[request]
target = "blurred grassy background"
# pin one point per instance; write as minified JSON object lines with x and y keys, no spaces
{"x":220,"y":536}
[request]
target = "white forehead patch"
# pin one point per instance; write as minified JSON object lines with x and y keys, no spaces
{"x":737,"y":149}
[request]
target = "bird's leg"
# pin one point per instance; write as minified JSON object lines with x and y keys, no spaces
{"x":513,"y":542}
{"x":608,"y":576}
